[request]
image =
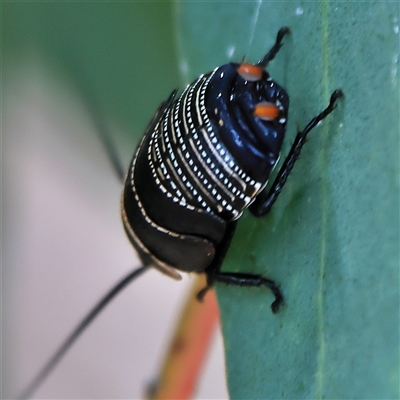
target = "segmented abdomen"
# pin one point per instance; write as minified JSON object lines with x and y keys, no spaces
{"x":184,"y":187}
{"x":191,"y":165}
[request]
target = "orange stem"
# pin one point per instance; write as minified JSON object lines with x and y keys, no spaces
{"x":188,"y":349}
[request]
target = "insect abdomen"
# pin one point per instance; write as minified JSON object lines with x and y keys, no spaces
{"x":162,"y":227}
{"x":184,"y":185}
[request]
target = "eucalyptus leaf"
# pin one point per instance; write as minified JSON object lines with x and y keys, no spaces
{"x":332,"y":239}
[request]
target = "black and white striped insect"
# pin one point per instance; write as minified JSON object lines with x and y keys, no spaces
{"x":205,"y":157}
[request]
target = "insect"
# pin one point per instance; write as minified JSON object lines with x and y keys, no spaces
{"x":204,"y":158}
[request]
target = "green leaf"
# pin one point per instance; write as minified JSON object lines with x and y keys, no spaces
{"x":119,"y":56}
{"x":332,"y":239}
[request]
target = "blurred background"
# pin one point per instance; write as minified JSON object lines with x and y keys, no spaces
{"x":70,"y":70}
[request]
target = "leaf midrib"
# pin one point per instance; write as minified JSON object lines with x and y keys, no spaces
{"x":324,"y":203}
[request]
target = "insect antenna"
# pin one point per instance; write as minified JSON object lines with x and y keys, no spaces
{"x":112,"y":154}
{"x":111,"y":150}
{"x":80,"y":328}
{"x":103,"y":133}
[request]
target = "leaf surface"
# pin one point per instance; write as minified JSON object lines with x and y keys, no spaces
{"x":332,"y":239}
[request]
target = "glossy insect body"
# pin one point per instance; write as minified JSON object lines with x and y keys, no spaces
{"x":204,"y":158}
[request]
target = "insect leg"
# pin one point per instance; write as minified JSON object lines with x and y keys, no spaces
{"x":275,"y":48}
{"x":240,"y":279}
{"x":263,"y":203}
{"x":220,"y":253}
{"x":214,"y":274}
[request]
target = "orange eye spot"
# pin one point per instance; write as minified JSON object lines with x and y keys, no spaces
{"x":250,"y":72}
{"x":266,"y":111}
